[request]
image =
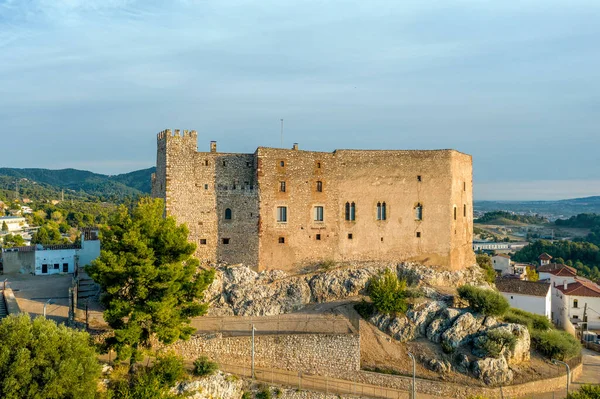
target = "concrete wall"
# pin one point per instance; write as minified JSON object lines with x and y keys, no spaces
{"x":90,"y":250}
{"x":200,"y":186}
{"x":323,"y":354}
{"x":54,"y":257}
{"x":530,"y":303}
{"x":18,"y":262}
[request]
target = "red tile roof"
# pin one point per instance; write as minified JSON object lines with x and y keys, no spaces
{"x":581,"y":288}
{"x":545,"y":256}
{"x":557,"y":269}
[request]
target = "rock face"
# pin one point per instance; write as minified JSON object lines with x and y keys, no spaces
{"x":521,"y":352}
{"x":218,"y":385}
{"x":238,"y":290}
{"x":464,"y":329}
{"x":492,"y":371}
{"x":411,"y":326}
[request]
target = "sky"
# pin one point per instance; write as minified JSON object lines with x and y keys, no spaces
{"x":87,"y":84}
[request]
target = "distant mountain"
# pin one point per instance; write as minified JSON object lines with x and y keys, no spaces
{"x":76,"y":183}
{"x":552,"y":209}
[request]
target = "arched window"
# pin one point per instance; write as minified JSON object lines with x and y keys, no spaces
{"x":383,"y":212}
{"x":353,"y":211}
{"x":227,"y":214}
{"x":575,"y":303}
{"x":319,"y":186}
{"x":419,"y":212}
{"x":347,"y":211}
{"x":379,"y":211}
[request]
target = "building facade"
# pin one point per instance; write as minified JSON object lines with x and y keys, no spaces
{"x":531,"y":296}
{"x":287,"y":208}
{"x":577,"y":301}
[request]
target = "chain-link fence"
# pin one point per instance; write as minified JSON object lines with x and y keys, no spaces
{"x":274,"y":325}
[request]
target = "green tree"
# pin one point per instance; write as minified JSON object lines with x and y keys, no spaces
{"x":152,"y":285}
{"x":4,"y":226}
{"x":586,"y":392}
{"x":485,"y":262}
{"x":487,"y":302}
{"x":13,"y":240}
{"x":388,"y":293}
{"x":48,"y":235}
{"x":39,"y":359}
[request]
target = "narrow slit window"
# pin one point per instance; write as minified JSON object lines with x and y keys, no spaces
{"x":454,"y":213}
{"x":465,"y":210}
{"x":349,"y":236}
{"x":282,"y":163}
{"x":203,"y":241}
{"x":206,"y":162}
{"x":282,"y":214}
{"x":419,"y":212}
{"x":228,"y":214}
{"x":282,"y":186}
{"x":419,"y":178}
{"x":379,"y":211}
{"x":320,"y":186}
{"x":347,"y":211}
{"x":383,"y":211}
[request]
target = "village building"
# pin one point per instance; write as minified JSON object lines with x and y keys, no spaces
{"x":287,"y":208}
{"x":531,"y":296}
{"x":52,"y":259}
{"x":502,"y":264}
{"x":14,"y":223}
{"x":576,"y":298}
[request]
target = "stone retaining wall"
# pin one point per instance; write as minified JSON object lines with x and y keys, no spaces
{"x":12,"y":307}
{"x":323,"y":354}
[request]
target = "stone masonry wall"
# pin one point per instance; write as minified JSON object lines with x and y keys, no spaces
{"x":200,"y":186}
{"x":323,"y":354}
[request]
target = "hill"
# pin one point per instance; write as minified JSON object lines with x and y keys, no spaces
{"x":551,"y":209}
{"x":41,"y":184}
{"x":508,"y":218}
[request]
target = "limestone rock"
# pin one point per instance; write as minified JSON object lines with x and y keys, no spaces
{"x":401,"y":329}
{"x":462,"y":330}
{"x":339,"y":284}
{"x":439,"y":366}
{"x":492,"y":371}
{"x":462,"y":363}
{"x":521,"y":352}
{"x":437,"y":327}
{"x":218,"y":385}
{"x":425,"y":315}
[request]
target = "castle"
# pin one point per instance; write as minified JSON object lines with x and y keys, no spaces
{"x":288,"y":208}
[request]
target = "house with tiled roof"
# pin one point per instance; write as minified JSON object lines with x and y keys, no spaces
{"x":576,"y":297}
{"x":544,"y":259}
{"x":531,"y":296}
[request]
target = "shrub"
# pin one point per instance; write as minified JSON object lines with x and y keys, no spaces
{"x":388,"y":293}
{"x":556,"y":344}
{"x":485,"y":262}
{"x":447,"y":348}
{"x":246,"y":395}
{"x":264,"y":393}
{"x":169,"y":369}
{"x":530,"y":320}
{"x":365,"y":309}
{"x":203,"y":366}
{"x":586,"y":392}
{"x":495,"y":341}
{"x":487,"y":302}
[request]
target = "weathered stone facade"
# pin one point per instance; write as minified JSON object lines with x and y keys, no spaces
{"x":230,"y":203}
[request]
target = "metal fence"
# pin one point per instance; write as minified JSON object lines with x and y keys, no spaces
{"x":274,"y":325}
{"x":299,"y":380}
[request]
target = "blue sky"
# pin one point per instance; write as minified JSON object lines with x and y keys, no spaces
{"x":88,"y":83}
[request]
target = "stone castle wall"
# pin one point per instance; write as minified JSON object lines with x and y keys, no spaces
{"x":200,"y":186}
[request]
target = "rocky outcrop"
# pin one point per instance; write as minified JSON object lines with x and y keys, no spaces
{"x":492,"y":371}
{"x":437,"y":327}
{"x":238,"y":290}
{"x":464,"y":329}
{"x":217,"y":385}
{"x":520,"y":353}
{"x":411,"y":326}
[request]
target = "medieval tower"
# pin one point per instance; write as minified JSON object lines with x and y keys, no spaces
{"x":287,"y":208}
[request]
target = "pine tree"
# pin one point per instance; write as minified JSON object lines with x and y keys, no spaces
{"x":4,"y":226}
{"x":152,"y":285}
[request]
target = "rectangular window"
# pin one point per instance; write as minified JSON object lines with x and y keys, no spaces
{"x":282,"y":214}
{"x":224,"y":163}
{"x":65,"y":267}
{"x":465,"y":210}
{"x":349,"y":236}
{"x":248,"y":164}
{"x":418,"y":234}
{"x":206,"y":186}
{"x":320,"y":186}
{"x":56,"y":266}
{"x":282,"y":186}
{"x":419,"y":178}
{"x":318,"y":213}
{"x":203,"y":241}
{"x":225,"y":240}
{"x":318,"y":237}
{"x":282,"y":240}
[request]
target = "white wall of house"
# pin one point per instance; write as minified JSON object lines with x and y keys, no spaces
{"x":89,"y":251}
{"x":535,"y":304}
{"x":14,"y":223}
{"x":502,"y":264}
{"x":574,"y":308}
{"x":56,"y":261}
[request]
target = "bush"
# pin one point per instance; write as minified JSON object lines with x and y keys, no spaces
{"x":485,"y":262}
{"x":169,"y":369}
{"x":447,"y":348}
{"x":495,"y":341}
{"x":586,"y":392}
{"x":487,"y":302}
{"x":264,"y":393}
{"x":555,"y":344}
{"x":530,"y":320}
{"x":388,"y":293}
{"x":365,"y":309}
{"x":246,"y":395}
{"x":203,"y":366}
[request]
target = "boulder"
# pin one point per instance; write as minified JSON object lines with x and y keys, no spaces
{"x":462,"y":331}
{"x":425,"y":315}
{"x":401,"y":329}
{"x":521,"y":352}
{"x":439,"y":366}
{"x":218,"y":385}
{"x":437,"y":327}
{"x":462,"y":363}
{"x":492,"y":371}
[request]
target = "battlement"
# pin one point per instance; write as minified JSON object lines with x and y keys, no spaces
{"x":176,"y":133}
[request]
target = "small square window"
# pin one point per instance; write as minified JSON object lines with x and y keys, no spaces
{"x":206,"y":162}
{"x":206,"y":186}
{"x":56,"y":266}
{"x":282,"y":240}
{"x":226,"y":241}
{"x":318,"y":237}
{"x":419,"y":178}
{"x":249,"y":164}
{"x":282,"y":164}
{"x":203,"y":241}
{"x":418,"y":234}
{"x":349,"y":236}
{"x":381,"y":239}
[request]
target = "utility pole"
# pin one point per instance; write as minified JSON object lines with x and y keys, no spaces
{"x":282,"y":133}
{"x":414,"y":392}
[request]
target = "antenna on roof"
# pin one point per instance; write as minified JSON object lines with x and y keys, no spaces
{"x":282,"y":133}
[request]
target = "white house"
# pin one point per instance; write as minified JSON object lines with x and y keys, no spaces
{"x":531,"y":296}
{"x":53,"y":259}
{"x":14,"y":223}
{"x":501,"y":264}
{"x":575,"y":297}
{"x":557,"y":275}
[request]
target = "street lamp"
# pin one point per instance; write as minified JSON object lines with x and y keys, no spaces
{"x":49,"y":301}
{"x":253,"y":330}
{"x":555,"y":362}
{"x":414,"y":392}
